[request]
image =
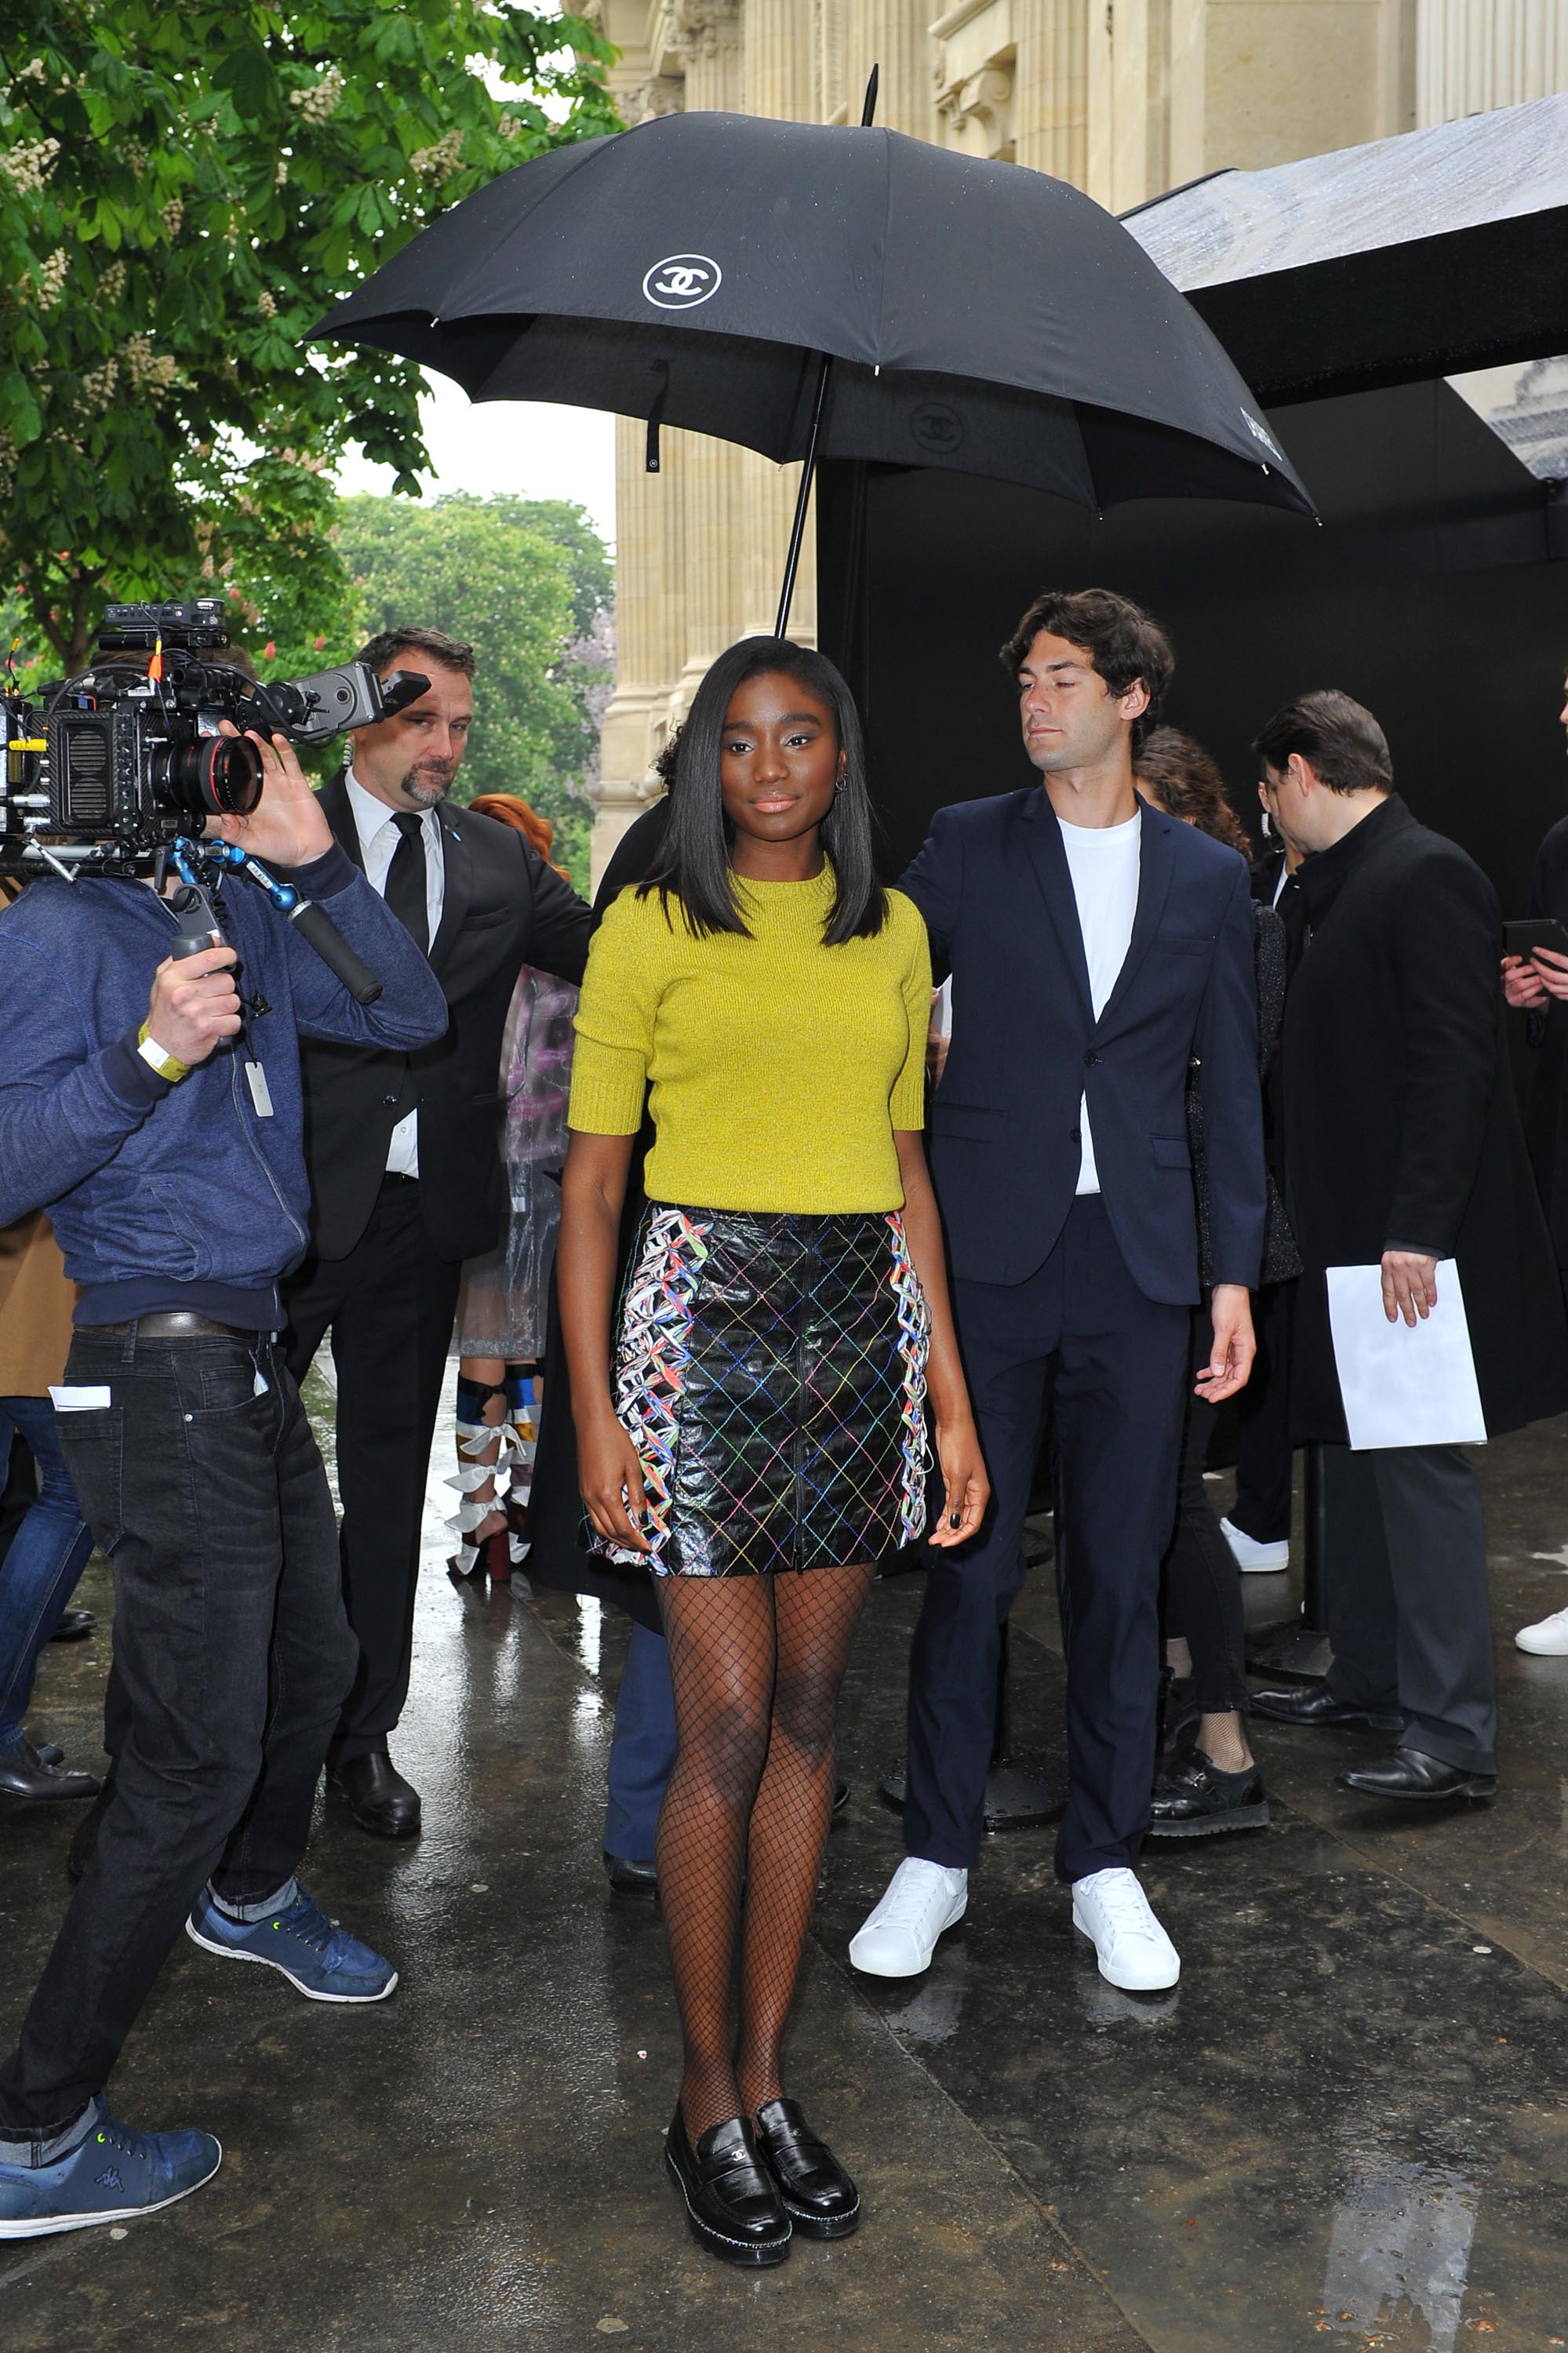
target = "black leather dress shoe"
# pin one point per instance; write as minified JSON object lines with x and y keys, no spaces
{"x":732,"y":2204}
{"x":379,"y":1798}
{"x":841,"y":1795}
{"x":1411,"y":1773}
{"x":73,"y":1624}
{"x":1192,"y":1798}
{"x":1315,"y":1703}
{"x":818,"y":2195}
{"x":26,"y":1775}
{"x":629,"y":1878}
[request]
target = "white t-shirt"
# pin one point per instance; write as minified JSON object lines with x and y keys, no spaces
{"x":378,"y":838}
{"x":1103,"y":862}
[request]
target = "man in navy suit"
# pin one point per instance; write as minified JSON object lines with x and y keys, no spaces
{"x":1097,"y":949}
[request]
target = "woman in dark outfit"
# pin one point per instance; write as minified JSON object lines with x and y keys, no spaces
{"x":759,"y":1439}
{"x":1214,"y":1783}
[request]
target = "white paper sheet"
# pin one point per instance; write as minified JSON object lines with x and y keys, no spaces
{"x":1403,"y":1388}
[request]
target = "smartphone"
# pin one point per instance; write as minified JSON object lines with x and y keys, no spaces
{"x":1523,"y":938}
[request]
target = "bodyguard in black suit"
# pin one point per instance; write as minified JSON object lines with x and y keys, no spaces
{"x":406,"y":1170}
{"x":1074,"y":1247}
{"x":1403,"y":1146}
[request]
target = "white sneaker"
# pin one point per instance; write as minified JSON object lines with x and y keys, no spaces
{"x":1248,"y":1553}
{"x":900,"y":1936}
{"x":1548,"y":1637}
{"x":1111,"y":1909}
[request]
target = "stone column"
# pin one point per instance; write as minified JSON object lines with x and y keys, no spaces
{"x":1050,"y":86}
{"x":893,"y":35}
{"x":650,"y":630}
{"x":717,"y":520}
{"x":778,"y":80}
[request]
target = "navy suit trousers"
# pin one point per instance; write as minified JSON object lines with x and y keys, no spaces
{"x":1080,"y":1336}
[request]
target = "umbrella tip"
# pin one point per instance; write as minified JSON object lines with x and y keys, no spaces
{"x":869,"y":108}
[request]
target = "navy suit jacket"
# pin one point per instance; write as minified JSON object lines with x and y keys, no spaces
{"x":993,"y":884}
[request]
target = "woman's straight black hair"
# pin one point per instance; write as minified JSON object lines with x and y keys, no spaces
{"x":694,"y":863}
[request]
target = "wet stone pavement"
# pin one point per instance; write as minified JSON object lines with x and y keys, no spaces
{"x":1344,"y":2129}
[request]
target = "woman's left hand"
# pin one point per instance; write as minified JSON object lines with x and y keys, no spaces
{"x":966,"y":1490}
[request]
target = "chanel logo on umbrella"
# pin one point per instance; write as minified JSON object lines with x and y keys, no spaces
{"x":937,"y":427}
{"x":682,"y":281}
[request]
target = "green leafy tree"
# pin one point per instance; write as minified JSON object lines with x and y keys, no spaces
{"x":526,"y":583}
{"x":184,"y":190}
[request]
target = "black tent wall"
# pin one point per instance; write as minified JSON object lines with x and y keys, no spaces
{"x":1432,"y":591}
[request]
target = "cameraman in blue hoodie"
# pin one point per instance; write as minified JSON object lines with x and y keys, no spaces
{"x":154,"y":1107}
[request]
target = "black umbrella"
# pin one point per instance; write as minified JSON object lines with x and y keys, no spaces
{"x":701,"y":269}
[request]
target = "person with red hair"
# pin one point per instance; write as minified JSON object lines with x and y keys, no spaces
{"x":499,"y":1335}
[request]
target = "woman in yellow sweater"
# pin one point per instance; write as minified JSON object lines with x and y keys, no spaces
{"x":759,"y":1438}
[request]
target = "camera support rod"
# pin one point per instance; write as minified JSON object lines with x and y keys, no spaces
{"x":319,"y":932}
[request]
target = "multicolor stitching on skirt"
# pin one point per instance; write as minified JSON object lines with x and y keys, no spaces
{"x":770,"y":1370}
{"x":655,"y":1321}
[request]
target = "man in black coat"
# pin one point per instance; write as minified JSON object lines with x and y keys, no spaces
{"x":1403,"y":1146}
{"x":1539,"y":987}
{"x":406,"y":1172}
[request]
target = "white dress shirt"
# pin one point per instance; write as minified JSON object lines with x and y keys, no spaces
{"x":1103,"y":861}
{"x":378,"y":838}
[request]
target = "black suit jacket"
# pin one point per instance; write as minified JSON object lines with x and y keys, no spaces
{"x":1547,"y":1119}
{"x":1400,"y":1126}
{"x":993,"y":884}
{"x":502,"y":907}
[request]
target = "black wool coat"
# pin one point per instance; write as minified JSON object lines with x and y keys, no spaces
{"x":1401,"y":1129}
{"x":1546,"y":1119}
{"x":502,"y":908}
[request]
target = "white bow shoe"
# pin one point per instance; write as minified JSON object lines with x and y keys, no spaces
{"x":899,"y":1937}
{"x":1133,"y":1950}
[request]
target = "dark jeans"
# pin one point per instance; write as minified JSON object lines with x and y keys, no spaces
{"x":1407,"y":1597}
{"x":1202,"y":1591}
{"x":390,"y":1305}
{"x":232,"y":1656}
{"x":1264,"y":1455}
{"x":46,"y":1555}
{"x":642,"y":1751}
{"x":1080,"y":1334}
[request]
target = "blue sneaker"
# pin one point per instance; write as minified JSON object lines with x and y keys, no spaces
{"x":115,"y":2175}
{"x":325,"y":1963}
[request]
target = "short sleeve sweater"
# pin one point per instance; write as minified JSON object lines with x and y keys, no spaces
{"x":779,"y":1067}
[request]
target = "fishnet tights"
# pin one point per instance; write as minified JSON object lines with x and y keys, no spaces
{"x":756,"y":1662}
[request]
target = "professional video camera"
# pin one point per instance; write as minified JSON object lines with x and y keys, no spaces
{"x":117,"y":771}
{"x":129,"y":756}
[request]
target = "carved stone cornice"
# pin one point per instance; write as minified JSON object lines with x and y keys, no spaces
{"x":705,"y":28}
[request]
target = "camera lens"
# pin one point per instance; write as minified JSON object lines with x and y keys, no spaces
{"x":216,"y":776}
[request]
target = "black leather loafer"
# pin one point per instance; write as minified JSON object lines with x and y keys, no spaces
{"x":1192,"y":1798}
{"x":629,"y":1878}
{"x":72,"y":1625}
{"x":732,"y":2204}
{"x":1315,"y":1703}
{"x":26,"y":1775}
{"x":819,"y":2197}
{"x":1411,"y":1773}
{"x":379,"y":1798}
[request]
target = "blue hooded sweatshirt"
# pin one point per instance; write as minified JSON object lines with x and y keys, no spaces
{"x":192,"y":1194}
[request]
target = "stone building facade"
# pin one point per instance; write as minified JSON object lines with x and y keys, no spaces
{"x":1124,"y":98}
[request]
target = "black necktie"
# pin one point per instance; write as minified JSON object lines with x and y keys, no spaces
{"x":405,"y":878}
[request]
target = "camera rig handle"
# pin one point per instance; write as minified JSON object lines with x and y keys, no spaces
{"x":316,"y":929}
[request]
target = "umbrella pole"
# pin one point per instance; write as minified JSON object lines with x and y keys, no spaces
{"x":808,"y":471}
{"x":797,"y":528}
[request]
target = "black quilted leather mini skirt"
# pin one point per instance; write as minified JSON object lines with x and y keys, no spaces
{"x":770,"y":1370}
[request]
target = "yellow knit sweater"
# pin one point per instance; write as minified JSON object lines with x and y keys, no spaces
{"x":780,"y":1068}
